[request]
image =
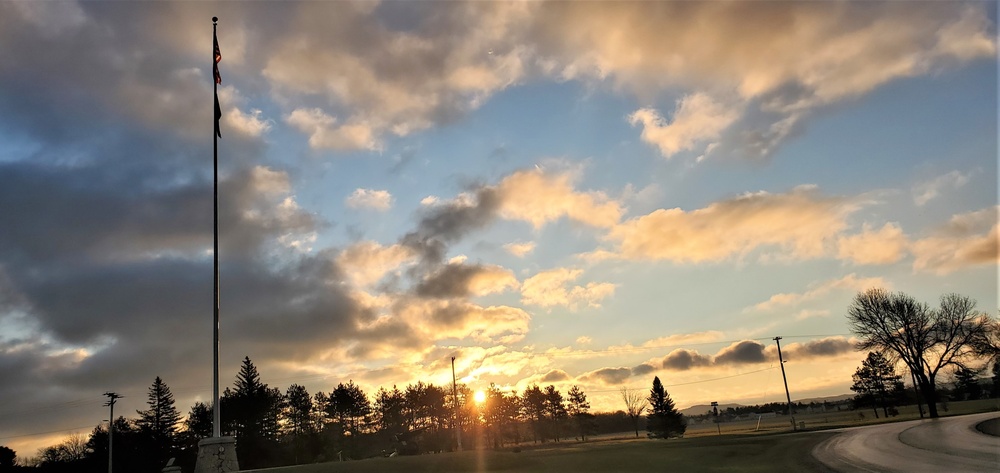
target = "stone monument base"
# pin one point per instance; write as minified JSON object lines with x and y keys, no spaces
{"x":216,"y":455}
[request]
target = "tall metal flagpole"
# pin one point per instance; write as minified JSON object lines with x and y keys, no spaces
{"x":216,"y":422}
{"x":216,"y":454}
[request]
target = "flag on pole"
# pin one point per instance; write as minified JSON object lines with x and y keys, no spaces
{"x":218,"y":80}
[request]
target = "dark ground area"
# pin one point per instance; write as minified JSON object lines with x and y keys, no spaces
{"x":757,"y":453}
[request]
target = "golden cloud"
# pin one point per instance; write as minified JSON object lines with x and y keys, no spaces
{"x":800,"y":223}
{"x":549,"y":289}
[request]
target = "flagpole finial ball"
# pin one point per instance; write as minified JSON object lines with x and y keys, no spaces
{"x":215,"y":19}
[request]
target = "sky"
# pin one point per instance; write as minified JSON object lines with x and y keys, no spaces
{"x":563,"y":193}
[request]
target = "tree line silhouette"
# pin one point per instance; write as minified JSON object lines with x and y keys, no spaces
{"x":275,"y":428}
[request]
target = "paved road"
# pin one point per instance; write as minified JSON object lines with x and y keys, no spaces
{"x":933,"y":445}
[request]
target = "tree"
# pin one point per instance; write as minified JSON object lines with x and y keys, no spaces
{"x":555,"y":411}
{"x":926,"y":340}
{"x":967,"y":386}
{"x":73,"y":449}
{"x":8,"y":458}
{"x":533,"y":406}
{"x":988,"y":346}
{"x":129,"y":447}
{"x":251,"y":411}
{"x":158,"y":424}
{"x":663,"y":420}
{"x":198,"y":424}
{"x":635,"y":405}
{"x":877,"y":383}
{"x":298,"y":410}
{"x":388,"y":411}
{"x":349,"y":405}
{"x":578,"y":408}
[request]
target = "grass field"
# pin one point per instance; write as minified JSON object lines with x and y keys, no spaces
{"x":760,"y":453}
{"x":740,"y":448}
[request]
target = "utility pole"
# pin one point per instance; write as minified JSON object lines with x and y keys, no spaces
{"x":715,"y":414}
{"x":454,"y":397}
{"x":112,"y":397}
{"x":788,"y":397}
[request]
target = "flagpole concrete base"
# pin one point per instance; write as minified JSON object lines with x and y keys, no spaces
{"x":216,"y":455}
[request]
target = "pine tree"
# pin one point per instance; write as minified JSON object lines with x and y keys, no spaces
{"x":555,"y":411}
{"x":349,"y":406}
{"x":158,"y":424}
{"x":877,"y":383}
{"x":251,"y":411}
{"x":578,"y":408}
{"x":663,"y":420}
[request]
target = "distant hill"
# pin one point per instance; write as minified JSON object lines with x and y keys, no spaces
{"x":703,"y":408}
{"x":818,"y":400}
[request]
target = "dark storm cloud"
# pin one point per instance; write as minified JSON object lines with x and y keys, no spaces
{"x":609,"y":376}
{"x":682,"y":360}
{"x":826,"y":347}
{"x":53,"y":213}
{"x":451,"y":280}
{"x":554,"y":376}
{"x":744,"y":352}
{"x":643,"y":369}
{"x":446,"y":223}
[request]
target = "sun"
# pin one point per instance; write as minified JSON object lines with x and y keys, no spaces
{"x":479,"y":397}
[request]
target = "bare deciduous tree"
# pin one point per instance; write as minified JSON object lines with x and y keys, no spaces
{"x":635,"y":405}
{"x":925,"y":339}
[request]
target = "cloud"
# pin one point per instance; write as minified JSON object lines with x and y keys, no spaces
{"x":250,"y":124}
{"x":682,"y":360}
{"x":739,"y":353}
{"x":583,"y":340}
{"x":643,"y":369}
{"x":367,"y":262}
{"x":549,"y":289}
{"x":926,"y":191}
{"x":818,"y":54}
{"x":822,"y":348}
{"x":462,"y":280}
{"x":325,"y":133}
{"x":430,"y":73}
{"x":682,"y":338}
{"x":802,"y":224}
{"x":520,"y":249}
{"x":538,"y":198}
{"x":968,"y":239}
{"x":851,"y":282}
{"x":698,"y":118}
{"x":606,"y":376}
{"x":884,"y":246}
{"x":380,"y":200}
{"x":439,"y":319}
{"x":554,"y":376}
{"x":446,"y":222}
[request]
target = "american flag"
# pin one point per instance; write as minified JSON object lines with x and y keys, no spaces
{"x":218,"y":80}
{"x":218,"y":57}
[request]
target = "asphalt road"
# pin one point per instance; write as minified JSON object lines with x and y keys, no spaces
{"x":933,"y":445}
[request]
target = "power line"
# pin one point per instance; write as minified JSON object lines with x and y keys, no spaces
{"x":44,"y":433}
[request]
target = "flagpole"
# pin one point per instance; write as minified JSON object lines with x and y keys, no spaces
{"x":216,"y":422}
